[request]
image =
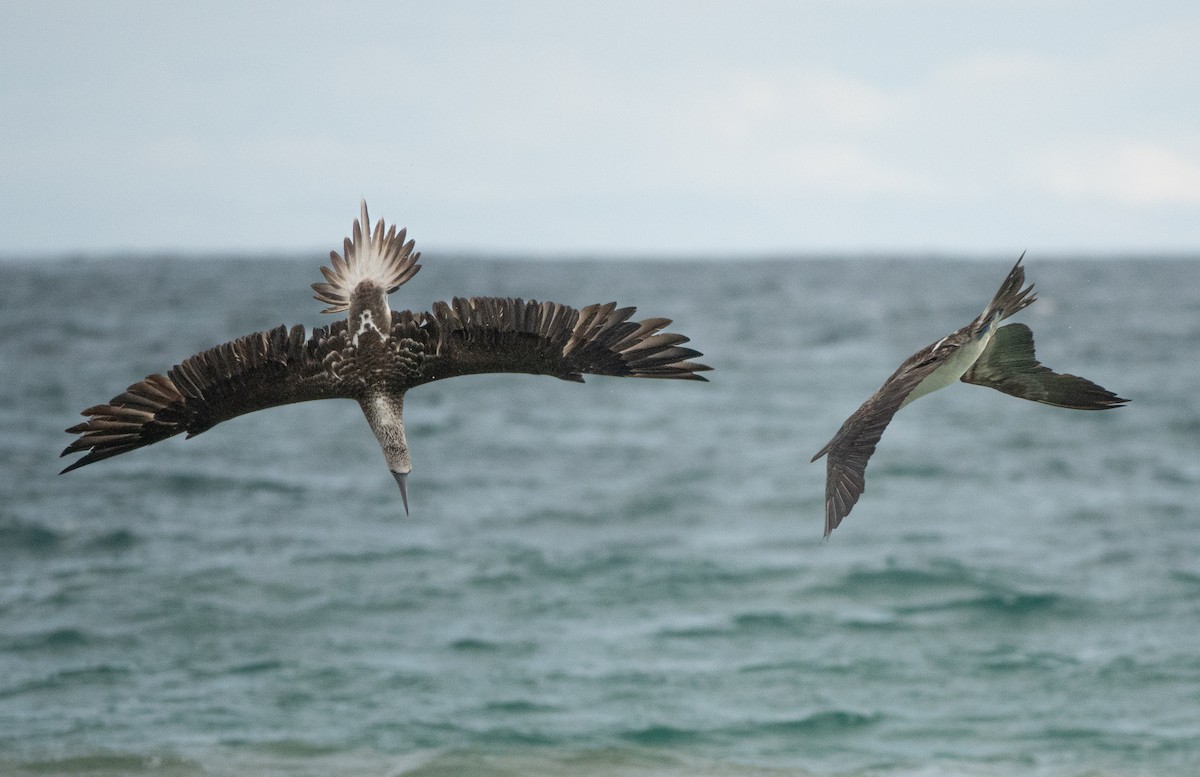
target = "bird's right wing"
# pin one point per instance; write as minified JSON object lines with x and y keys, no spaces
{"x":852,"y":446}
{"x":251,"y":373}
{"x":1008,"y":364}
{"x":490,"y":334}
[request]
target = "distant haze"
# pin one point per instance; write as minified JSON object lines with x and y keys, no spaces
{"x":602,"y":128}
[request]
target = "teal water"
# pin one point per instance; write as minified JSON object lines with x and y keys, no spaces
{"x":620,"y":578}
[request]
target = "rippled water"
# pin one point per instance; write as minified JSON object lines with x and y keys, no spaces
{"x":620,"y":578}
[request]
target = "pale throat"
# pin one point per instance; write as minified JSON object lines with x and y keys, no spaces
{"x":385,"y":414}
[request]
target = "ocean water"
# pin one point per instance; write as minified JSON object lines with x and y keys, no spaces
{"x":619,"y":578}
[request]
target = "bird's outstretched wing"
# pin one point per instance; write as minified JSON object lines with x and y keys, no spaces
{"x":852,"y":446}
{"x":490,"y":334}
{"x":261,"y":370}
{"x":1008,"y":364}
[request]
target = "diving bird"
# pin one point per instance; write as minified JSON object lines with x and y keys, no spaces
{"x":1000,"y":357}
{"x":375,"y":355}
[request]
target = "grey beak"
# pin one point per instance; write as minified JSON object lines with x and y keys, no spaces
{"x":402,"y":481}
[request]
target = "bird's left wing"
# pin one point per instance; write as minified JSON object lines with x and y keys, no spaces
{"x":261,"y":370}
{"x":1008,"y":364}
{"x":490,"y":334}
{"x":852,"y":446}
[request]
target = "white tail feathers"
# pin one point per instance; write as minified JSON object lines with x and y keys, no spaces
{"x":384,"y":260}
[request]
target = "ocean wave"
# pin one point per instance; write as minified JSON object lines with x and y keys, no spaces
{"x":664,"y":735}
{"x":636,"y":761}
{"x":478,"y":645}
{"x":833,"y":722}
{"x":519,"y":707}
{"x":749,"y":624}
{"x":1001,"y":602}
{"x":892,"y":578}
{"x":945,"y":587}
{"x":72,"y":678}
{"x":53,"y":639}
{"x":104,"y":765}
{"x":824,"y":722}
{"x":337,"y":555}
{"x":115,"y":540}
{"x":1008,"y":661}
{"x":29,"y":536}
{"x":35,"y":537}
{"x":291,"y":758}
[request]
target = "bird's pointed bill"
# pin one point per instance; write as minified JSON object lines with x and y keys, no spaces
{"x":402,"y":481}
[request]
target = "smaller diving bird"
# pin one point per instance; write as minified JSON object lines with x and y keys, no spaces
{"x":375,"y":355}
{"x":1000,"y":357}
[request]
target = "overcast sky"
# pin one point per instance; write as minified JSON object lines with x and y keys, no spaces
{"x":562,"y":128}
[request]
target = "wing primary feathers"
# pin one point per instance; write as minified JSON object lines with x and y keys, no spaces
{"x":489,"y":334}
{"x":257,"y":371}
{"x":1009,"y":364}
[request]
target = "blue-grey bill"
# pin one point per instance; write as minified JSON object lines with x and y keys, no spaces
{"x":402,"y":481}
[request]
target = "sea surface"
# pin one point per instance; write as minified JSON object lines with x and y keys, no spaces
{"x":625,"y":577}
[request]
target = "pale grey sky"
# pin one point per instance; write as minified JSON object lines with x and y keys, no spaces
{"x":609,"y":127}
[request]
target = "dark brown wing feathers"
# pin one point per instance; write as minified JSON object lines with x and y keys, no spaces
{"x":1008,"y":364}
{"x":851,"y":448}
{"x":257,"y":371}
{"x":463,"y":337}
{"x":491,"y":334}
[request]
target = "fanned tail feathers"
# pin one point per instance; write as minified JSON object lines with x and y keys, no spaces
{"x":383,"y":259}
{"x":1010,"y":297}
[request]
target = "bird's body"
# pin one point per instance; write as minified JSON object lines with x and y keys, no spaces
{"x":983,"y":353}
{"x":962,"y":352}
{"x":375,"y":355}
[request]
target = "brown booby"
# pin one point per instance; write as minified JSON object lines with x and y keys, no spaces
{"x":981,"y":353}
{"x":376,"y":355}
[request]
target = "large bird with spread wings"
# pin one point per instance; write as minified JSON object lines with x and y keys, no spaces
{"x":1000,"y":357}
{"x":376,"y":355}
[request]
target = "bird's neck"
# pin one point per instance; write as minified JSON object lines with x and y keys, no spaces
{"x":385,"y":414}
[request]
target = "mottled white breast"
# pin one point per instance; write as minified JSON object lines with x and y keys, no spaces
{"x":958,"y":363}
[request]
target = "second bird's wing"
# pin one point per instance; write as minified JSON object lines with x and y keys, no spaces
{"x":852,"y":446}
{"x":1008,"y":364}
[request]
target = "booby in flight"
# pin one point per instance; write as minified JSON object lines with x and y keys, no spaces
{"x":376,"y":355}
{"x":1000,"y":357}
